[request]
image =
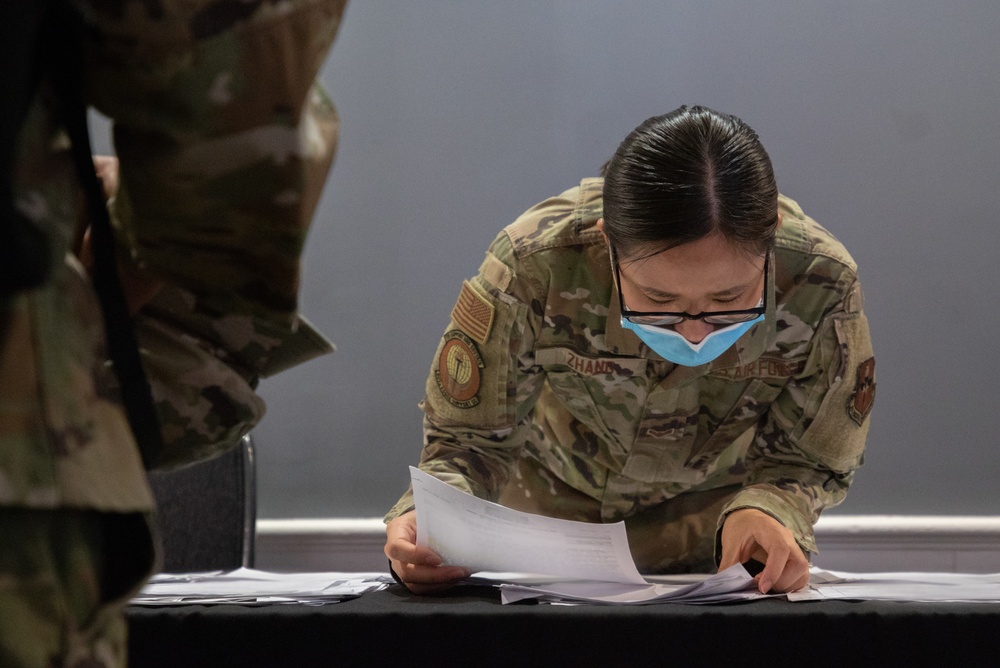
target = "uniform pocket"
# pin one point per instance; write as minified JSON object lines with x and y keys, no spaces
{"x":606,"y":394}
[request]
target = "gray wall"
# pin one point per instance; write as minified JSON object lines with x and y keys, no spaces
{"x":880,"y":118}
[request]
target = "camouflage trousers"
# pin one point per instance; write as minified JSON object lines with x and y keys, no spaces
{"x":676,"y":536}
{"x":65,"y":576}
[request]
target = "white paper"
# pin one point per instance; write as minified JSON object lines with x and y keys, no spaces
{"x":732,"y":584}
{"x":953,"y":587}
{"x":247,"y":586}
{"x":482,"y":536}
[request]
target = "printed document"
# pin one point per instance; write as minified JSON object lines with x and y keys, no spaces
{"x":465,"y":530}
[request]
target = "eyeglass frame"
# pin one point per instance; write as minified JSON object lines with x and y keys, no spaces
{"x":628,"y":314}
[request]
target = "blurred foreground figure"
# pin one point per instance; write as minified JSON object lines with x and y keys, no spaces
{"x":136,"y":339}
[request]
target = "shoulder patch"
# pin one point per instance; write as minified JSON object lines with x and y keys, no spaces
{"x":473,"y":313}
{"x":863,"y":397}
{"x":458,"y":372}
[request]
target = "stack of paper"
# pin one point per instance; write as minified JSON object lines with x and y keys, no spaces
{"x":732,"y":584}
{"x":558,"y":561}
{"x":246,"y":586}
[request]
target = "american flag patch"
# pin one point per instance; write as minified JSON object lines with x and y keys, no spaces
{"x":473,"y":313}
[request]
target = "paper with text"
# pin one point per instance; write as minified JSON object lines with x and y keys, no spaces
{"x":468,"y":531}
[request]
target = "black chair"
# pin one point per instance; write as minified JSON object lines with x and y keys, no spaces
{"x":207,"y":512}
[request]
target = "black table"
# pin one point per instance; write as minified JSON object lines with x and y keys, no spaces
{"x":469,"y":627}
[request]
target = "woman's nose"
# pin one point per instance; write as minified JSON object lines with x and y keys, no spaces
{"x":694,"y":330}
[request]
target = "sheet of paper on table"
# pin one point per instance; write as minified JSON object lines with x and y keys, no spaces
{"x":247,"y":586}
{"x":942,"y":587}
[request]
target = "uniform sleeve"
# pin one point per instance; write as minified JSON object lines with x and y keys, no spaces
{"x":813,"y":439}
{"x":483,"y":382}
{"x":203,"y":370}
{"x":224,"y":140}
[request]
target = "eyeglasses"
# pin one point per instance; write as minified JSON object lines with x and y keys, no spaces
{"x":661,"y":318}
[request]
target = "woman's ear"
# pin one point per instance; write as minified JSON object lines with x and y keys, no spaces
{"x":600,"y":228}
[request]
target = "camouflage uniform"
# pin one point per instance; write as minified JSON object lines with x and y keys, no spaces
{"x":539,"y":398}
{"x":224,"y":144}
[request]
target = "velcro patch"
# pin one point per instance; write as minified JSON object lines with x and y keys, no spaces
{"x":473,"y":313}
{"x":495,"y":272}
{"x":863,"y":397}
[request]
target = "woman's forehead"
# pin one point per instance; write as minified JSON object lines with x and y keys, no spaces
{"x":710,"y":264}
{"x":714,"y":250}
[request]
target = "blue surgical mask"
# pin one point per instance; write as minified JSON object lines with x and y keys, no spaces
{"x":672,"y":346}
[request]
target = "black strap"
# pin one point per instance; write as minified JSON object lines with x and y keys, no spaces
{"x":123,"y":347}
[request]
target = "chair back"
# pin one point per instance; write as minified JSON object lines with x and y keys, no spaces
{"x":207,"y":512}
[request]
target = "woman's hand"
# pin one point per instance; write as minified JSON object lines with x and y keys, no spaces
{"x":418,"y":567}
{"x":749,"y":533}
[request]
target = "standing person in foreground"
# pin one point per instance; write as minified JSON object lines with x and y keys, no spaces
{"x":224,"y":145}
{"x":677,"y":346}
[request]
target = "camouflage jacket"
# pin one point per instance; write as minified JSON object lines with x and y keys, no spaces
{"x":535,"y":362}
{"x":224,"y":143}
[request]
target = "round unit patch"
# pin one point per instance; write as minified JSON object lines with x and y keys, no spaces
{"x":458,"y":372}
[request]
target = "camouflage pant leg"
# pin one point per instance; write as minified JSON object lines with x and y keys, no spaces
{"x":677,"y":536}
{"x":61,"y":596}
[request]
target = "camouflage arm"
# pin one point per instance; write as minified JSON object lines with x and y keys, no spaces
{"x":223,"y":138}
{"x":477,"y":461}
{"x":473,"y":434}
{"x":812,"y":441}
{"x":224,"y":143}
{"x":203,"y":368}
